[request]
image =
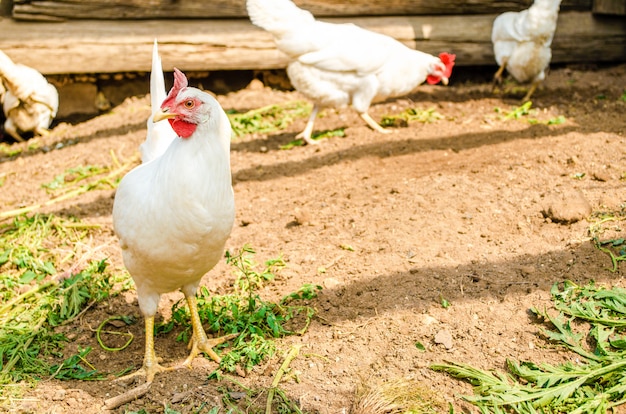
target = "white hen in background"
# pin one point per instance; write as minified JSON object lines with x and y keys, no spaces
{"x":160,"y":135}
{"x":174,"y":213}
{"x":342,"y":64}
{"x":29,"y":102}
{"x":522,"y":42}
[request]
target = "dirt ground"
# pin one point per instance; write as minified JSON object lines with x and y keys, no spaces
{"x":466,"y":209}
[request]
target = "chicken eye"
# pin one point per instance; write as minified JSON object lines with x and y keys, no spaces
{"x":189,"y":104}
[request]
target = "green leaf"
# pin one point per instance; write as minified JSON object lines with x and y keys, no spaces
{"x":27,"y":277}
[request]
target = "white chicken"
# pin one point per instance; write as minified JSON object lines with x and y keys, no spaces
{"x":29,"y":102}
{"x":522,"y":42}
{"x":343,"y":64}
{"x":174,"y":213}
{"x":160,"y":135}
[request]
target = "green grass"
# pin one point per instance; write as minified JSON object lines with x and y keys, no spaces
{"x":43,"y":284}
{"x":526,"y":112}
{"x":269,"y":118}
{"x":411,"y":115}
{"x":319,"y":135}
{"x":595,"y":383}
{"x":243,"y":311}
{"x":74,"y":175}
{"x":77,"y":181}
{"x":605,"y":232}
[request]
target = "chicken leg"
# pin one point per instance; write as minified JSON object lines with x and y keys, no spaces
{"x":151,"y":365}
{"x":532,"y":89}
{"x":308,"y":129}
{"x":497,"y":77}
{"x":11,"y":129}
{"x":373,"y":124}
{"x":199,"y":341}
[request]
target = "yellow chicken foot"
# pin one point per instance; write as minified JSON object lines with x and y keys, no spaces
{"x":308,"y":129}
{"x":150,"y":363}
{"x":497,"y":77}
{"x":373,"y":124}
{"x":42,"y":131}
{"x":530,"y":91}
{"x":11,"y":129}
{"x":199,"y":341}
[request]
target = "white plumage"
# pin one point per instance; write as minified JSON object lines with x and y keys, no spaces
{"x":174,"y":213}
{"x":160,"y":135}
{"x":342,"y":64}
{"x":522,"y":42}
{"x":29,"y":102}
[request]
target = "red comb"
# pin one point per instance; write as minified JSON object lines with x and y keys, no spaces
{"x":448,"y":61}
{"x":180,"y":82}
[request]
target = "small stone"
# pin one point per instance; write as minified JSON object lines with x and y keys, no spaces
{"x":59,"y":395}
{"x":428,"y":320}
{"x":444,"y":338}
{"x":301,"y":217}
{"x":602,"y":176}
{"x":569,"y":207}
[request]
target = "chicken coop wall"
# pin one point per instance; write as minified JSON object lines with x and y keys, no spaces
{"x":96,"y":36}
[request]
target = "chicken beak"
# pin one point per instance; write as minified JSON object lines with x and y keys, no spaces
{"x":163,"y":114}
{"x":444,"y":80}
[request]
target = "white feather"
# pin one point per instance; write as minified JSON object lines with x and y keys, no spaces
{"x":340,"y":64}
{"x":160,"y":135}
{"x":523,"y":40}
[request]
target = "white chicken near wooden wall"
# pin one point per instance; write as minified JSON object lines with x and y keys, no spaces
{"x":522,"y":42}
{"x":29,"y":102}
{"x":175,"y":211}
{"x":336,"y":65}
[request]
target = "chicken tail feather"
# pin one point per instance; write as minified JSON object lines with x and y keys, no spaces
{"x":277,"y":16}
{"x":157,"y":80}
{"x":160,"y":135}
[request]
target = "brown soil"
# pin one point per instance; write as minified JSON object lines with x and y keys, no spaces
{"x":454,"y":209}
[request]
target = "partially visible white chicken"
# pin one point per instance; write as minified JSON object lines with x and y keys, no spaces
{"x":160,"y":135}
{"x":342,"y":64}
{"x":174,"y":213}
{"x":522,"y":42}
{"x":29,"y":102}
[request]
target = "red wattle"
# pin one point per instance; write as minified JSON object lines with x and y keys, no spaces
{"x":432,"y":80}
{"x":183,"y":129}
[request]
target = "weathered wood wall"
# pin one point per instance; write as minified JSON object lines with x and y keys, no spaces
{"x":111,"y":41}
{"x":203,"y":9}
{"x":85,"y":46}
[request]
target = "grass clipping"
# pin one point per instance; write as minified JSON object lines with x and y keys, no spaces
{"x":397,"y":396}
{"x":594,"y":383}
{"x":36,"y":295}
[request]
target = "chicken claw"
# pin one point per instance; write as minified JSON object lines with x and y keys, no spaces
{"x":308,"y":129}
{"x":151,"y":365}
{"x":532,"y":89}
{"x":497,"y":77}
{"x":199,"y":341}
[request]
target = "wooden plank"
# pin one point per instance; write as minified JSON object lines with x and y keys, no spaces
{"x":82,"y":46}
{"x":613,"y":7}
{"x":150,"y":9}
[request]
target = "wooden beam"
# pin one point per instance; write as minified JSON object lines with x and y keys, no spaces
{"x":614,"y":7}
{"x":150,"y":9}
{"x":81,"y":46}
